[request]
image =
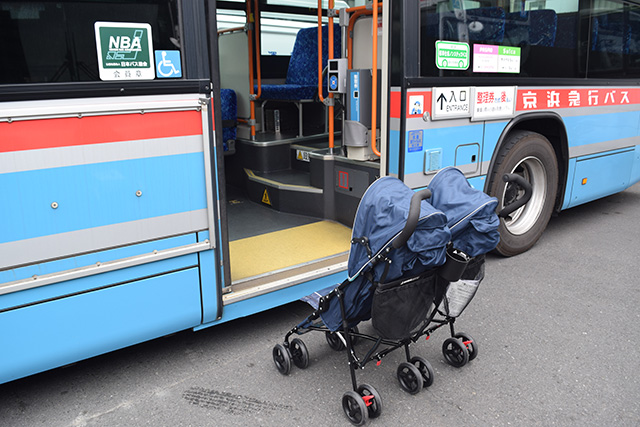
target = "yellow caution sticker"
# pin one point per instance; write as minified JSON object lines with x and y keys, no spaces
{"x":265,"y":197}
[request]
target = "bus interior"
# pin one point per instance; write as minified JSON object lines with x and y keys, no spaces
{"x":292,"y":183}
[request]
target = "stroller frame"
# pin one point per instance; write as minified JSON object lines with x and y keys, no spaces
{"x":363,"y":401}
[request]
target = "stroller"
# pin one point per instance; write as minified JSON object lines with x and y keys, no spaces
{"x":410,"y":261}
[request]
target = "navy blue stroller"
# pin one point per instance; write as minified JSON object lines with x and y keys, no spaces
{"x":410,"y":261}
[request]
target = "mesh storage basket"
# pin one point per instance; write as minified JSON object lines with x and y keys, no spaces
{"x":401,"y":308}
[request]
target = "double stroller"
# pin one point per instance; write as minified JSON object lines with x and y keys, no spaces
{"x":415,"y":263}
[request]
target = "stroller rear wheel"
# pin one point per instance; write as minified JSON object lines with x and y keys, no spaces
{"x":372,"y":399}
{"x":282,"y":359}
{"x":410,"y":378}
{"x":425,"y":369}
{"x":299,"y":353}
{"x":470,"y":343}
{"x":334,"y":341}
{"x":455,"y":352}
{"x":354,"y":408}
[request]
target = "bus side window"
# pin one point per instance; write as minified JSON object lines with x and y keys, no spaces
{"x":48,"y":42}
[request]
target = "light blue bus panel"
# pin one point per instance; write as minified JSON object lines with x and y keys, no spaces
{"x":53,"y":333}
{"x":601,"y":175}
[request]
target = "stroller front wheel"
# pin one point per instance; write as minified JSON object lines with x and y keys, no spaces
{"x":455,"y":352}
{"x":354,"y":408}
{"x":410,"y":378}
{"x":425,"y":369}
{"x":299,"y":353}
{"x":282,"y":359}
{"x":372,"y":399}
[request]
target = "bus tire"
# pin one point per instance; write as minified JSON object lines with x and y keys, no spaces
{"x":531,"y":156}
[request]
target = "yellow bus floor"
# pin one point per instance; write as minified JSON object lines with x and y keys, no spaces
{"x":258,"y":255}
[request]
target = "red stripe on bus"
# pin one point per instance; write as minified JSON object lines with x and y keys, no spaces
{"x":395,"y":104}
{"x":544,"y":99}
{"x":73,"y":131}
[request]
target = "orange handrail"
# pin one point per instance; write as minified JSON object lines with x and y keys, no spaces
{"x":230,"y":30}
{"x":358,"y":12}
{"x":250,"y":20}
{"x":374,"y":78}
{"x":258,"y":52}
{"x":330,"y":48}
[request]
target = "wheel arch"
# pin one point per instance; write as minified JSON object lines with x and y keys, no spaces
{"x":551,"y":126}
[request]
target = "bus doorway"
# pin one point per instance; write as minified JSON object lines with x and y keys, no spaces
{"x":293,"y":184}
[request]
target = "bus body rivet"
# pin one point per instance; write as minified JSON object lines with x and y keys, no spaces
{"x":138,"y":193}
{"x":54,"y":205}
{"x":425,"y":116}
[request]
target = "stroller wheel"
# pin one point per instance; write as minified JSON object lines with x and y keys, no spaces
{"x":299,"y":353}
{"x":372,"y":400}
{"x":282,"y":359}
{"x":334,"y":341}
{"x":410,"y":378}
{"x":354,"y":339}
{"x":354,"y":408}
{"x":470,"y":343}
{"x":425,"y":369}
{"x":455,"y":352}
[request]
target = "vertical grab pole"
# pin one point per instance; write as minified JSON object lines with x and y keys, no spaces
{"x":374,"y":78}
{"x":330,"y":47}
{"x":252,"y":118}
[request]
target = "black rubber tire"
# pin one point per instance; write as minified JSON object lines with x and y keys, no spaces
{"x":282,"y":359}
{"x":375,"y":408}
{"x":455,"y":353}
{"x":532,"y":156}
{"x":425,"y":369}
{"x":334,"y":341}
{"x":354,"y":339}
{"x":410,"y":378}
{"x":354,"y":408}
{"x":299,"y":353}
{"x":471,"y":344}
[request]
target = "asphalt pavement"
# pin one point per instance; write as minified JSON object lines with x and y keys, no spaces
{"x":557,"y":330}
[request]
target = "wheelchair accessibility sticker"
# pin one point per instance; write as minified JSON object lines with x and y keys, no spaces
{"x":168,"y":64}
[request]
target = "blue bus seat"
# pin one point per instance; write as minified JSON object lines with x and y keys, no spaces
{"x":301,"y":84}
{"x":302,"y":74}
{"x":535,"y":28}
{"x":229,"y":112}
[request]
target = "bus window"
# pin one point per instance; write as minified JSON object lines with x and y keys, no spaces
{"x":614,"y":51}
{"x":55,"y":42}
{"x":547,"y":35}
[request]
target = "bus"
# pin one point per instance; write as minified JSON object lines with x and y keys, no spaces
{"x":170,"y":165}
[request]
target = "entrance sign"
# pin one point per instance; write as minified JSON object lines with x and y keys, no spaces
{"x":452,"y":55}
{"x":451,"y":102}
{"x":125,"y":51}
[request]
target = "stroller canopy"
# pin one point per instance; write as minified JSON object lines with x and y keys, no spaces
{"x":381,"y":216}
{"x":471,"y":213}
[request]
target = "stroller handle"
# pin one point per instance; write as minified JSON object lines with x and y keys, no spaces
{"x":525,"y":185}
{"x":412,"y":219}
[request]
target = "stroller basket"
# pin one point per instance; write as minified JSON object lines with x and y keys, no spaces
{"x":401,"y":307}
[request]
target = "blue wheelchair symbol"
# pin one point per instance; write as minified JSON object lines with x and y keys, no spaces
{"x":168,"y":64}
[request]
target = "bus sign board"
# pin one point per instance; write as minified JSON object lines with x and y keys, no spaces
{"x":452,"y":55}
{"x":125,"y":51}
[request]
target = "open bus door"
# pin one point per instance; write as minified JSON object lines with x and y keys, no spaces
{"x":292,"y":185}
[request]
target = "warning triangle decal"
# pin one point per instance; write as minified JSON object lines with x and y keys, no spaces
{"x":265,"y":198}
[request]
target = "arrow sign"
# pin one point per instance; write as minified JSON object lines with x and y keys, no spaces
{"x":451,"y":102}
